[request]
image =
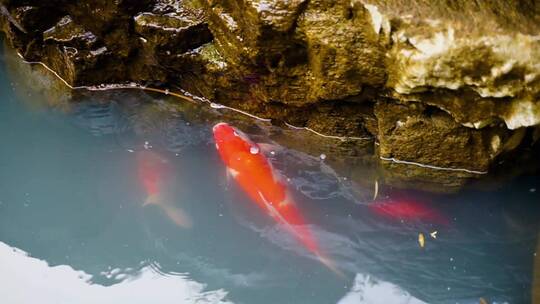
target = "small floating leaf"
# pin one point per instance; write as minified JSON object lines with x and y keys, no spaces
{"x":376,"y":190}
{"x":421,"y":240}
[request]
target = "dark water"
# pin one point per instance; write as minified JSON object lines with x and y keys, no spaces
{"x":74,"y":227}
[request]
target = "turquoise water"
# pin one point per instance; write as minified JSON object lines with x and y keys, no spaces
{"x":74,"y":226}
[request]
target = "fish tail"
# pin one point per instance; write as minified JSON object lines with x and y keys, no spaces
{"x":178,"y":216}
{"x":330,"y":264}
{"x":152,"y":199}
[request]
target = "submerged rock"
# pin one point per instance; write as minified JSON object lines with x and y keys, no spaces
{"x":418,"y":141}
{"x":440,"y":93}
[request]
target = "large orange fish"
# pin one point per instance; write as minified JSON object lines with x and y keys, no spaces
{"x":154,"y":174}
{"x":255,"y":175}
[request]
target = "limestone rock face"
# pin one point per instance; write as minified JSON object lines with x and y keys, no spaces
{"x":478,"y":75}
{"x":441,"y":92}
{"x":169,"y":30}
{"x":437,"y":145}
{"x":301,"y":52}
{"x":100,"y":42}
{"x":72,"y":50}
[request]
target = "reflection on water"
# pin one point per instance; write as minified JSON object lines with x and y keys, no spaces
{"x":100,"y":192}
{"x":32,"y":279}
{"x":368,"y":290}
{"x":536,"y":273}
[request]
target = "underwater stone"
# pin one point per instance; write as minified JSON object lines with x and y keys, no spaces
{"x":423,"y":145}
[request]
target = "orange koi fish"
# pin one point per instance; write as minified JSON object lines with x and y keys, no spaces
{"x":255,"y":175}
{"x":154,"y":173}
{"x":409,"y":210}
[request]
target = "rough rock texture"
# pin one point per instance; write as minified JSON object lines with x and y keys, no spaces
{"x":441,"y":92}
{"x":298,"y":52}
{"x":99,"y":42}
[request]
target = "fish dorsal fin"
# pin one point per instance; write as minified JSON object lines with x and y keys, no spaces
{"x":274,"y":213}
{"x":276,"y":176}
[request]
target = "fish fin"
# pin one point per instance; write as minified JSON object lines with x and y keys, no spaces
{"x":276,"y":175}
{"x":330,"y":264}
{"x":152,"y":199}
{"x":287,"y":201}
{"x":267,"y":203}
{"x":231,"y":173}
{"x":178,"y":216}
{"x":272,"y":209}
{"x":276,"y":215}
{"x":433,"y":234}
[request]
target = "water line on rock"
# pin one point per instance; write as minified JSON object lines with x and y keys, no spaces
{"x":342,"y":138}
{"x":214,"y":105}
{"x":405,"y":162}
{"x":109,"y":86}
{"x":183,"y":95}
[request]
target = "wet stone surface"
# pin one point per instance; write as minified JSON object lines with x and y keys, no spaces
{"x":442,"y":92}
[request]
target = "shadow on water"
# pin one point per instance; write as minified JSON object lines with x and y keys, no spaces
{"x":129,"y":188}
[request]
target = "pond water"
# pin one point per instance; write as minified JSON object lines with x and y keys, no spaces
{"x":123,"y":198}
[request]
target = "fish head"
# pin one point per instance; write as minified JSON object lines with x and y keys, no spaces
{"x":222,"y":132}
{"x":231,"y":142}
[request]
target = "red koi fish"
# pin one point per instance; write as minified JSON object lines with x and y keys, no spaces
{"x":255,"y":175}
{"x":150,"y":168}
{"x":409,"y":210}
{"x":154,"y":174}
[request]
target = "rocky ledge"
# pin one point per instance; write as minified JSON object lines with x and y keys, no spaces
{"x":439,"y":93}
